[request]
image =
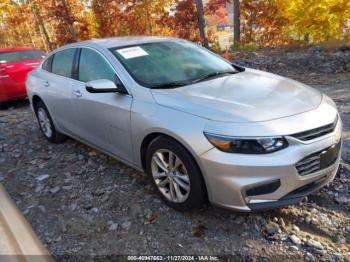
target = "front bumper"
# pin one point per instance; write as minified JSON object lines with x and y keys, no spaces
{"x":255,"y":182}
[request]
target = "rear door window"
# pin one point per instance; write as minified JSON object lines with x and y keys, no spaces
{"x":62,"y":62}
{"x":17,"y":56}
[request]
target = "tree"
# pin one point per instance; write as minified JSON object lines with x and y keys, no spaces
{"x":236,"y":22}
{"x":261,"y":21}
{"x":40,"y":24}
{"x":17,"y":24}
{"x":124,"y":17}
{"x":183,"y":20}
{"x":201,"y":22}
{"x":315,"y":21}
{"x":214,"y":5}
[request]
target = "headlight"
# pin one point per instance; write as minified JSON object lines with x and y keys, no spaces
{"x":247,"y":146}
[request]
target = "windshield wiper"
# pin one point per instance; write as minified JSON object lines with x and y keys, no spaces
{"x":214,"y":74}
{"x":184,"y":83}
{"x":169,"y":85}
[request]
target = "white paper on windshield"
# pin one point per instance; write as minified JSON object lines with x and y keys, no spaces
{"x":132,"y":52}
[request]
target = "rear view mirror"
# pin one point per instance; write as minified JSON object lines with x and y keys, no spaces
{"x":105,"y":86}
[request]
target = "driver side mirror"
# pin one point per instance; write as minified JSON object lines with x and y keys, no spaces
{"x":105,"y":86}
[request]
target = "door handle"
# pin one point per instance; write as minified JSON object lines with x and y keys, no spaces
{"x":77,"y":93}
{"x":46,"y":84}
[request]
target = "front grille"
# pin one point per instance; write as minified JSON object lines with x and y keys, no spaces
{"x":318,"y":161}
{"x":316,"y":132}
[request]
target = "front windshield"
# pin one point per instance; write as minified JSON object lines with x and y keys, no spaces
{"x":170,"y":62}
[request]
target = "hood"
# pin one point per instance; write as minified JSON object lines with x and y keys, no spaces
{"x":249,"y":96}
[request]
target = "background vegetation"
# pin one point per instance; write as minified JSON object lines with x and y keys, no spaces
{"x":48,"y":24}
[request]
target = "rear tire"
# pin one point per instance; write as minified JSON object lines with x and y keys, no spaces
{"x":3,"y":105}
{"x":175,"y":175}
{"x":46,"y":124}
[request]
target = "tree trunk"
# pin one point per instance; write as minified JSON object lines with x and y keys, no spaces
{"x":201,"y":22}
{"x":236,"y":22}
{"x":39,"y":21}
{"x":29,"y":34}
{"x":70,"y":21}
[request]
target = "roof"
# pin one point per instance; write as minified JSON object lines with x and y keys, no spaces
{"x":125,"y":41}
{"x":13,"y":49}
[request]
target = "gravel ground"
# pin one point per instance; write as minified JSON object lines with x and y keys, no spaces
{"x":82,"y":202}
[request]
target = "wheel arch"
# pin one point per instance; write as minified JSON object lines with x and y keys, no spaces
{"x":154,"y":135}
{"x":35,"y":100}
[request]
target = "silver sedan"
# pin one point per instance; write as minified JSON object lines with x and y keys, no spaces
{"x":203,"y":129}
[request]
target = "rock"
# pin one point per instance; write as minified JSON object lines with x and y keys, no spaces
{"x":271,"y":231}
{"x":338,"y":256}
{"x":293,"y":248}
{"x":148,"y":213}
{"x":99,"y":192}
{"x":281,"y":223}
{"x":295,"y":239}
{"x":58,"y":239}
{"x":321,"y":252}
{"x":88,"y":205}
{"x":39,"y":188}
{"x":314,"y":244}
{"x":342,"y":200}
{"x":42,"y":208}
{"x":295,"y":229}
{"x":101,"y":168}
{"x":239,"y":220}
{"x":347,"y":229}
{"x":126,"y":225}
{"x":309,"y":257}
{"x":73,"y":206}
{"x":272,"y":228}
{"x":308,"y":220}
{"x":92,"y":153}
{"x":113,"y":227}
{"x":105,"y":198}
{"x":314,"y":211}
{"x":314,"y":221}
{"x":67,"y":188}
{"x":341,"y":240}
{"x":55,"y":190}
{"x":42,"y":177}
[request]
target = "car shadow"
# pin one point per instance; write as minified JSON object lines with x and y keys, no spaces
{"x":15,"y":104}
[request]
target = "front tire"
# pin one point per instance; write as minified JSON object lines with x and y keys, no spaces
{"x":46,"y":124}
{"x":175,"y":175}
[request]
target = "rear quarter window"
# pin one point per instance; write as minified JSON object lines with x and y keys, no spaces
{"x":47,"y":65}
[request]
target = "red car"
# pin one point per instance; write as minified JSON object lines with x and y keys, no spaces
{"x":15,"y":64}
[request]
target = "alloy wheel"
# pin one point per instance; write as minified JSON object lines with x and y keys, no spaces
{"x":44,"y":122}
{"x":170,"y":176}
